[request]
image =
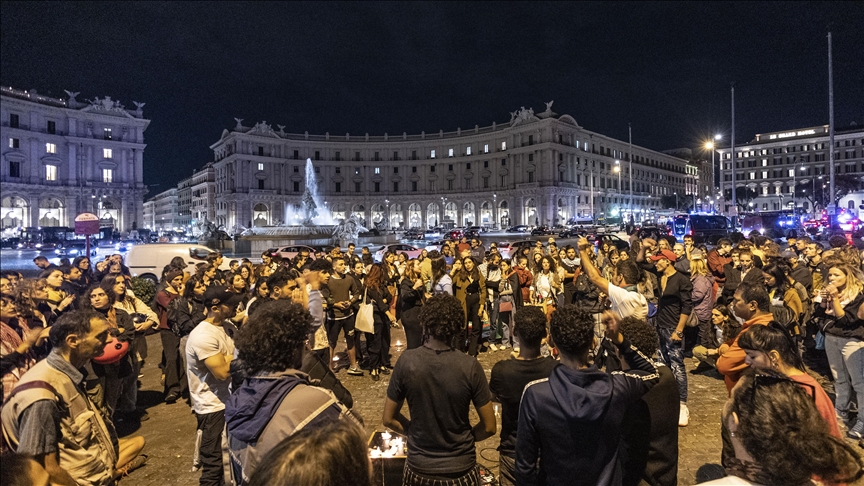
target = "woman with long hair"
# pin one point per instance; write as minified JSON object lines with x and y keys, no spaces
{"x":400,"y":263}
{"x":20,"y":339}
{"x":609,"y":269}
{"x":115,"y":379}
{"x":547,"y":285}
{"x":779,"y":438}
{"x":536,"y":262}
{"x":841,"y":303}
{"x":441,"y":282}
{"x":471,"y":291}
{"x":82,"y":263}
{"x":703,"y":298}
{"x":412,"y":293}
{"x":510,"y":297}
{"x":769,"y":347}
{"x":261,"y":295}
{"x":378,"y":295}
{"x":186,"y":312}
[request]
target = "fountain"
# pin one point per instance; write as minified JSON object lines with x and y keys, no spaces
{"x":311,"y":201}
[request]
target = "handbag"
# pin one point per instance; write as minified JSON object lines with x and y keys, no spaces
{"x":692,"y":320}
{"x":505,"y":306}
{"x":365,"y":321}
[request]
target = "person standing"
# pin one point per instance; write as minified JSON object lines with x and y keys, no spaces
{"x":673,"y":309}
{"x":344,"y":294}
{"x":470,"y":291}
{"x":209,"y":352}
{"x":509,"y":378}
{"x":379,"y":296}
{"x":439,"y":385}
{"x":412,"y":293}
{"x":175,"y":380}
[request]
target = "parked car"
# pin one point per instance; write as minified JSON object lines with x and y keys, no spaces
{"x":74,"y":249}
{"x":471,"y":233}
{"x":515,"y":247}
{"x":414,"y":234}
{"x":454,"y":234}
{"x":542,"y":230}
{"x":708,"y":228}
{"x":147,"y":261}
{"x":432,"y":234}
{"x":291,"y":251}
{"x":521,"y":228}
{"x":397,"y":248}
{"x":573,"y":232}
{"x":614,"y":239}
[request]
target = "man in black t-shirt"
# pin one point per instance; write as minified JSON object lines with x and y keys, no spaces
{"x":509,"y":378}
{"x":440,"y":384}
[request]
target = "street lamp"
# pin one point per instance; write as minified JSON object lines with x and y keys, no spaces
{"x":794,"y":183}
{"x":387,"y":215}
{"x":494,"y":211}
{"x":618,"y":170}
{"x":676,"y":201}
{"x":710,"y":145}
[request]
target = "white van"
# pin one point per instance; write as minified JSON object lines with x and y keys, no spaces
{"x":147,"y":261}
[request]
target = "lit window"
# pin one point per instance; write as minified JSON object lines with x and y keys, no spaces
{"x":432,"y":155}
{"x":503,"y":145}
{"x":107,"y":133}
{"x":486,"y":148}
{"x":107,"y":154}
{"x":260,"y":166}
{"x":468,"y":150}
{"x":50,"y":172}
{"x":450,"y":152}
{"x":50,"y":148}
{"x":377,"y":170}
{"x":107,"y":175}
{"x":791,"y":172}
{"x":752,"y":175}
{"x":14,"y":143}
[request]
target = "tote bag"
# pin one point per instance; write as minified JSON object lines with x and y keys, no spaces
{"x":365,"y":321}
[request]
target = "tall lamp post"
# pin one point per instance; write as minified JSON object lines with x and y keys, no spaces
{"x":676,"y":201}
{"x":618,"y":170}
{"x":494,"y":211}
{"x":710,"y":145}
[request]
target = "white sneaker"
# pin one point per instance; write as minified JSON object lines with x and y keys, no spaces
{"x":493,"y":347}
{"x":683,"y":416}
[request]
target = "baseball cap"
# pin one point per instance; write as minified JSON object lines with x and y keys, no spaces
{"x":667,"y":254}
{"x":697,"y":255}
{"x":217,"y":294}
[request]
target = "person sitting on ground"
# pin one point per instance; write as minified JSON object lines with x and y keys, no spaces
{"x":440,"y":384}
{"x":771,"y":348}
{"x":509,"y":378}
{"x":276,"y":399}
{"x":578,"y":405}
{"x":729,"y":328}
{"x":779,"y":438}
{"x":752,"y":304}
{"x":49,"y":418}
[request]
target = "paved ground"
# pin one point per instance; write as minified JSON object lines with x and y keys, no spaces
{"x":170,"y":432}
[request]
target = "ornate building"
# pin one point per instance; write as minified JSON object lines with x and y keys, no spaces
{"x":774,"y":163}
{"x":535,"y":169}
{"x":65,"y":157}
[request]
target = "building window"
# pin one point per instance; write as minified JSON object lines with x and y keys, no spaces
{"x":356,"y":187}
{"x":106,"y":133}
{"x":450,"y":167}
{"x":107,"y":153}
{"x":377,"y":187}
{"x":485,"y":183}
{"x":414,"y":169}
{"x":531,"y":177}
{"x":530,"y":139}
{"x":413,"y":155}
{"x":50,"y":172}
{"x":468,"y":150}
{"x":357,"y":156}
{"x":50,"y":148}
{"x":52,"y":127}
{"x":260,"y":183}
{"x":14,"y":168}
{"x":317,"y":155}
{"x":107,"y":175}
{"x":432,"y":154}
{"x":13,"y":120}
{"x":485,"y":164}
{"x":503,"y":145}
{"x":260,"y":166}
{"x":338,"y":187}
{"x":296,"y":169}
{"x":395,"y":186}
{"x":414,"y":186}
{"x":337,"y":156}
{"x":338,"y":170}
{"x":450,"y":152}
{"x":357,"y":171}
{"x":395,"y":155}
{"x":432,"y":168}
{"x":503,"y":162}
{"x":449,"y":184}
{"x":485,"y":148}
{"x":296,"y":186}
{"x":531,"y":158}
{"x":14,"y":143}
{"x":317,"y":170}
{"x":296,"y":154}
{"x":395,"y":170}
{"x":377,"y":170}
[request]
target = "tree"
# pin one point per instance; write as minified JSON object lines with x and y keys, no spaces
{"x":743,"y":195}
{"x":669,"y":201}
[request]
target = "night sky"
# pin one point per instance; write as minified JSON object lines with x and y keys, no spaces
{"x":393,"y":67}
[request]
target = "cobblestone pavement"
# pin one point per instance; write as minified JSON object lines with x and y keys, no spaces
{"x":170,"y":432}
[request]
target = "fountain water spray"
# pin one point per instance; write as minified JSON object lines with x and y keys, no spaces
{"x":315,"y":212}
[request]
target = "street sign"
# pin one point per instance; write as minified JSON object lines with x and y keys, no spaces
{"x":86,"y":224}
{"x":831,"y":210}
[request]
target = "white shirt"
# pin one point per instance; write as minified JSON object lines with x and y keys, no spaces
{"x":628,"y":304}
{"x":208,"y":394}
{"x":730,"y":481}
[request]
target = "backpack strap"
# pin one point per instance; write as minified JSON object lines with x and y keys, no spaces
{"x":33,"y":384}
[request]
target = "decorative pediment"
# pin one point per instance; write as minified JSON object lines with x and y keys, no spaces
{"x":338,"y":178}
{"x":396,"y":178}
{"x":414,"y":177}
{"x":468,"y":175}
{"x":261,"y":175}
{"x":451,"y":176}
{"x":15,"y":155}
{"x":106,"y":164}
{"x":486,"y":173}
{"x":51,"y":159}
{"x":503,"y":172}
{"x":357,"y":178}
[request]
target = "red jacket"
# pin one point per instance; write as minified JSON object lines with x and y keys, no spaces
{"x":716,"y":263}
{"x":731,"y":364}
{"x":525,"y":281}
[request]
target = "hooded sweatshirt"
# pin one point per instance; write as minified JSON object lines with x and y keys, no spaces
{"x":571,"y":421}
{"x":269,"y":407}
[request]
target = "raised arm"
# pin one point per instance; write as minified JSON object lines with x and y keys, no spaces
{"x":589,"y":268}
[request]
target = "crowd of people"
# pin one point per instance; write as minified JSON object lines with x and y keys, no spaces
{"x":595,"y":338}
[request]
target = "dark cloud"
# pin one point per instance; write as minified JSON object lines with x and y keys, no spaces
{"x":392,"y":67}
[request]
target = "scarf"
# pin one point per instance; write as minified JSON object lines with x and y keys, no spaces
{"x":829,"y":309}
{"x":571,"y":263}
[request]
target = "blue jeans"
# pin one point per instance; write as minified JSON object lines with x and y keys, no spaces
{"x":846,"y":358}
{"x":672,"y":353}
